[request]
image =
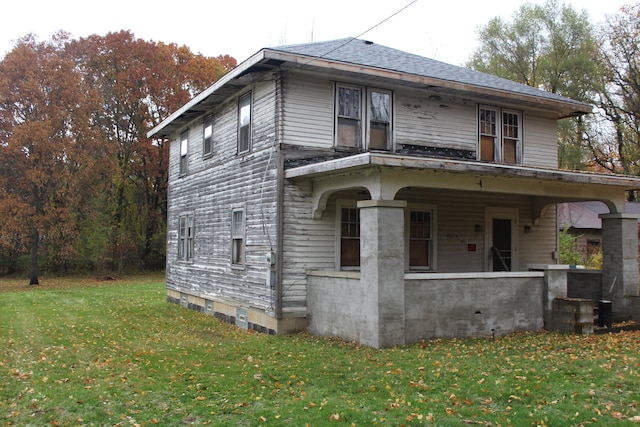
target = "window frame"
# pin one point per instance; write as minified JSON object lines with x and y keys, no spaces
{"x":340,"y":205}
{"x":186,"y":237}
{"x":518,"y":138}
{"x":238,"y":238}
{"x":207,"y":141}
{"x":245,"y":100}
{"x":364,"y":120}
{"x":433,"y":239}
{"x":369,"y":111}
{"x":338,"y":117}
{"x":500,"y":135}
{"x":184,"y":152}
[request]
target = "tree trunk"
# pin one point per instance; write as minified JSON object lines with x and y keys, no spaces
{"x":34,"y":257}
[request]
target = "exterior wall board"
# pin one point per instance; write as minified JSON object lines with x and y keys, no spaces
{"x":540,"y":142}
{"x":423,"y":119}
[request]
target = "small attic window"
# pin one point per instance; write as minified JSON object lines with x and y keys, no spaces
{"x":368,"y":42}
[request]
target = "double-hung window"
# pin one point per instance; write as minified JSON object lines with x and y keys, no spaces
{"x":207,"y":136}
{"x":349,"y":117}
{"x":363,"y":118}
{"x":185,"y":237}
{"x":421,"y":238}
{"x":500,"y":134}
{"x":349,"y":237}
{"x":184,"y":151}
{"x":237,"y":236}
{"x":244,"y":123}
{"x":379,"y":120}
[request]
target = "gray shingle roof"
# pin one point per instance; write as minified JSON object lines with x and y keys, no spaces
{"x":361,"y":52}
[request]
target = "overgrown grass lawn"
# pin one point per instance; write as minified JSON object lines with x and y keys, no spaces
{"x":117,"y":354}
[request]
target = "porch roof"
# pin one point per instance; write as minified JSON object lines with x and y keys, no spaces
{"x":363,"y":160}
{"x":385,"y":174}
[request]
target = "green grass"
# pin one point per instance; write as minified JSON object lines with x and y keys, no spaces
{"x":117,"y":354}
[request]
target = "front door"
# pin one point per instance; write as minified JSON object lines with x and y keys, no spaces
{"x":501,"y":239}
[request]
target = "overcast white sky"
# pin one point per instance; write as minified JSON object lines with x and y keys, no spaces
{"x":440,"y":29}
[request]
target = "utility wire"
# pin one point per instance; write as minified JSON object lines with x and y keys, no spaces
{"x":363,"y":33}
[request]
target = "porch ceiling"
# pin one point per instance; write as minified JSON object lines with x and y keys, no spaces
{"x":385,"y":174}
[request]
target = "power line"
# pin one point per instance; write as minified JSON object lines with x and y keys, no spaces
{"x":364,"y":32}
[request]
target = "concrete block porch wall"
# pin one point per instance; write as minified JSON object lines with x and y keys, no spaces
{"x":435,"y":305}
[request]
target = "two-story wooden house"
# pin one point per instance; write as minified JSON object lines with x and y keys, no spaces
{"x":351,"y":189}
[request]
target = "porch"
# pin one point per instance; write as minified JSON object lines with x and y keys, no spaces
{"x":384,"y":305}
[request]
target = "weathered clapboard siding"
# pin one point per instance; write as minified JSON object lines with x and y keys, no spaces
{"x":308,"y":244}
{"x":211,"y":189}
{"x":423,"y":119}
{"x":540,"y":138}
{"x":307,"y":111}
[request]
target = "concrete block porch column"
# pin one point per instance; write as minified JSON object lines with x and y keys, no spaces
{"x":619,"y":260}
{"x":382,"y":272}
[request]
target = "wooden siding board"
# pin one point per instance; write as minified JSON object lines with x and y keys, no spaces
{"x":540,"y":142}
{"x":308,"y":111}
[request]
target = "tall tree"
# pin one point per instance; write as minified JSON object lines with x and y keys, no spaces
{"x":551,"y":47}
{"x":46,"y":146}
{"x":618,"y":148}
{"x":140,"y":83}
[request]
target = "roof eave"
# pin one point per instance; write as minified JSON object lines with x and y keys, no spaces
{"x":157,"y":132}
{"x":564,"y":108}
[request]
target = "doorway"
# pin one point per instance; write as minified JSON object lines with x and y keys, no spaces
{"x":501,"y":239}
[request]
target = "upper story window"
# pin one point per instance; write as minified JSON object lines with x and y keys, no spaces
{"x":207,"y":136}
{"x":244,"y":123}
{"x":379,"y":120}
{"x":349,"y":117}
{"x":185,"y":237}
{"x":500,"y":133}
{"x":184,"y":151}
{"x":363,"y":111}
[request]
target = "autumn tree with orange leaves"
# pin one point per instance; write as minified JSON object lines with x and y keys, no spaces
{"x":81,"y":187}
{"x":48,"y":148}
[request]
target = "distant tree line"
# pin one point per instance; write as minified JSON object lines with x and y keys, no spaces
{"x":556,"y":48}
{"x":82,"y":189}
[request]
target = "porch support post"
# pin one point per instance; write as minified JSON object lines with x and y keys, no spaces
{"x":619,"y":260}
{"x":382,"y":272}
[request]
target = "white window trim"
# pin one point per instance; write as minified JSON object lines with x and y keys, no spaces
{"x":498,"y":149}
{"x":183,"y":244}
{"x":336,"y":107}
{"x":208,"y":117}
{"x":421,"y":207}
{"x":183,"y":147}
{"x":238,"y":208}
{"x":342,"y":203}
{"x":390,"y":134}
{"x":248,"y":95}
